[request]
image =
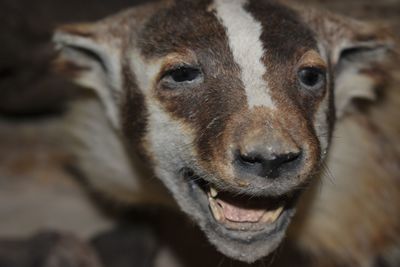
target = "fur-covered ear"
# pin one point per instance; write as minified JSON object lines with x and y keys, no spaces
{"x":355,"y":51}
{"x":90,"y":54}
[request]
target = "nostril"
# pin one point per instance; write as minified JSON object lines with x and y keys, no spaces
{"x":287,"y":158}
{"x":251,"y":163}
{"x":269,"y":165}
{"x":250,"y":159}
{"x":285,"y":161}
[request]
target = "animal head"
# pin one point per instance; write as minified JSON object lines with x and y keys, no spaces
{"x":232,"y":102}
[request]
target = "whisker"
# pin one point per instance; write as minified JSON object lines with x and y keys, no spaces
{"x":327,"y":171}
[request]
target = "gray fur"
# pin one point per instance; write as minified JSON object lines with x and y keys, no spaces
{"x":168,"y":140}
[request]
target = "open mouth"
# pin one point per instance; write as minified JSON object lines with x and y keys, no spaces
{"x":241,"y":225}
{"x":241,"y":213}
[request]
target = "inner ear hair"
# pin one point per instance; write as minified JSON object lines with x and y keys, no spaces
{"x":92,"y":61}
{"x":89,"y":54}
{"x":359,"y":71}
{"x":77,"y":45}
{"x":364,"y":54}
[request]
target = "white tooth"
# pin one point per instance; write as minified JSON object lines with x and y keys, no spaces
{"x":275,"y":214}
{"x":213,"y":192}
{"x":272,"y":216}
{"x":215,"y":210}
{"x":266,"y":218}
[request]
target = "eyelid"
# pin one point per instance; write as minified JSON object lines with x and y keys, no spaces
{"x":321,"y":69}
{"x":312,"y":59}
{"x":176,"y":60}
{"x":313,"y":66}
{"x":177,"y":67}
{"x":168,"y":68}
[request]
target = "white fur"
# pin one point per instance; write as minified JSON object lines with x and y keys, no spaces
{"x":321,"y":124}
{"x":351,"y":85}
{"x":102,"y":156}
{"x":244,"y":34}
{"x":169,"y":140}
{"x":166,"y":136}
{"x":320,"y":119}
{"x":107,"y":85}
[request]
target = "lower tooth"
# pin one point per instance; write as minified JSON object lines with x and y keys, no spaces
{"x":272,"y":216}
{"x":278,"y":213}
{"x":215,"y":210}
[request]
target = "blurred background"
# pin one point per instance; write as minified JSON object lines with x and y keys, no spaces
{"x":41,"y":203}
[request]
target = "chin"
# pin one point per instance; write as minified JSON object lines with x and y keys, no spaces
{"x":242,"y":226}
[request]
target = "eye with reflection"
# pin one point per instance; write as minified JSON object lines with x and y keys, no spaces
{"x":183,"y":74}
{"x":312,"y":78}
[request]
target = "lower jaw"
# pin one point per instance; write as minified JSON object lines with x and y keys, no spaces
{"x":250,"y":220}
{"x":250,"y":232}
{"x":245,"y":246}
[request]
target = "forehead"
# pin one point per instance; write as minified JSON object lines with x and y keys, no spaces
{"x":204,"y":26}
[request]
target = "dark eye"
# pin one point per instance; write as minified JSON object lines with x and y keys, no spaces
{"x":183,"y":74}
{"x":312,"y":78}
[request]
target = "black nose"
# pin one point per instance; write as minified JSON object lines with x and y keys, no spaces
{"x":267,"y":164}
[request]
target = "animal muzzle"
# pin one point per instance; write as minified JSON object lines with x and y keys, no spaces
{"x":268,"y":153}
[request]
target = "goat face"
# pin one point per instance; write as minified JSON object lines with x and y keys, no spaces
{"x":230,"y":102}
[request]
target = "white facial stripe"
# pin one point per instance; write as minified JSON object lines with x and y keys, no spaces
{"x":244,"y":34}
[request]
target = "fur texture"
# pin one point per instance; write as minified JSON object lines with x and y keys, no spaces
{"x":178,"y":91}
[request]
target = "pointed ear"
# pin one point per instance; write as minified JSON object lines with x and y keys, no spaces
{"x":90,"y":55}
{"x":356,"y":52}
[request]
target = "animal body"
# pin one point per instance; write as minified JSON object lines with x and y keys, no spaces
{"x":243,"y":109}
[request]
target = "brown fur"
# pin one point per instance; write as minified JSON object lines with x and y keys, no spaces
{"x":212,"y":120}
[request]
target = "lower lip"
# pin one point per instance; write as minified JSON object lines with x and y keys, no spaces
{"x":246,"y":237}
